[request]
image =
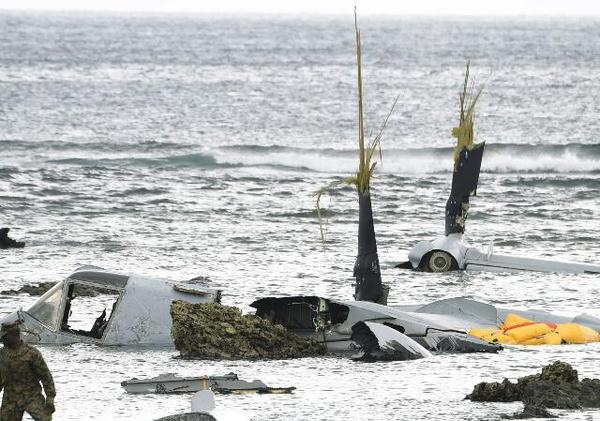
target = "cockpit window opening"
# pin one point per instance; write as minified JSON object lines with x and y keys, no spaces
{"x":88,"y":309}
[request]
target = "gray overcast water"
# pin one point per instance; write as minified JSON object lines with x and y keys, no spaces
{"x":185,"y":146}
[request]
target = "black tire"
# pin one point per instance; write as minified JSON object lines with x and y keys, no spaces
{"x":440,"y":261}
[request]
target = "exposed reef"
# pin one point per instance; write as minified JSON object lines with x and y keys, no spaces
{"x":214,"y":331}
{"x":42,"y":288}
{"x":557,"y":387}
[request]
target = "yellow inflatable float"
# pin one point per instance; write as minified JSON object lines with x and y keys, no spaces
{"x":517,"y":330}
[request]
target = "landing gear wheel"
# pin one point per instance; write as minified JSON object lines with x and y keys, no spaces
{"x":440,"y":261}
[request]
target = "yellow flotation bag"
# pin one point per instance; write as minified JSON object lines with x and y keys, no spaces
{"x":513,"y":320}
{"x":499,"y":337}
{"x":493,"y":335}
{"x":573,"y":333}
{"x":483,"y":332}
{"x":550,"y":338}
{"x":517,"y":330}
{"x":527,"y":331}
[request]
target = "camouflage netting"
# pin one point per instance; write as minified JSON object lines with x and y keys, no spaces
{"x":214,"y":331}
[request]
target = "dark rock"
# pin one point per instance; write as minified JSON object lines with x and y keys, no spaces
{"x":557,"y":386}
{"x":214,"y":331}
{"x":42,"y":288}
{"x":495,"y":392}
{"x":6,"y":242}
{"x":190,"y":416}
{"x":548,"y":394}
{"x":34,"y":290}
{"x":530,"y":411}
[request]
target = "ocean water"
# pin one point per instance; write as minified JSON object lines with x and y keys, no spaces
{"x":180,"y":146}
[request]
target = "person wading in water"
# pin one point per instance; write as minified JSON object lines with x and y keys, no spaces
{"x":22,"y":368}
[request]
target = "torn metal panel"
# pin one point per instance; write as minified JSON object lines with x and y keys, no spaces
{"x":171,"y":383}
{"x":331,"y":321}
{"x":378,"y":342}
{"x":464,"y":184}
{"x":457,"y":342}
{"x":136,"y":310}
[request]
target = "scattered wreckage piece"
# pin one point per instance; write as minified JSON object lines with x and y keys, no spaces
{"x":214,"y":331}
{"x":240,"y":387}
{"x":557,"y":387}
{"x":171,"y":383}
{"x":228,"y":384}
{"x":451,"y":252}
{"x":8,"y":243}
{"x":132,"y":310}
{"x":378,"y":342}
{"x":331,"y":321}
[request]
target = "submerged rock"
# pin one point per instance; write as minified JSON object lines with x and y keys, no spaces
{"x":190,"y":416}
{"x":214,"y":331}
{"x":557,"y":387}
{"x":6,"y":242}
{"x":42,"y":288}
{"x":530,"y":411}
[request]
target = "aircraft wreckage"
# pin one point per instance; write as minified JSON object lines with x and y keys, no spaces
{"x":382,"y":332}
{"x":450,"y":253}
{"x":132,"y":310}
{"x":136,"y":309}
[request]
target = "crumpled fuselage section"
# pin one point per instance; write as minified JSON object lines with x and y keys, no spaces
{"x":95,"y":306}
{"x":332,"y":322}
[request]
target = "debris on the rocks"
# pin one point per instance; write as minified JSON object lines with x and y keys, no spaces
{"x":43,"y":287}
{"x":7,"y":243}
{"x":214,"y":331}
{"x":557,"y":387}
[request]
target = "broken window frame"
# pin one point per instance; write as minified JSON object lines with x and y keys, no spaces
{"x":116,"y":304}
{"x":58,"y":288}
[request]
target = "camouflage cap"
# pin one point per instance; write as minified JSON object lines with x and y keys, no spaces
{"x":14,"y":327}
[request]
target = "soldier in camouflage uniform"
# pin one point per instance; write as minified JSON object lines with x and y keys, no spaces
{"x":22,"y":368}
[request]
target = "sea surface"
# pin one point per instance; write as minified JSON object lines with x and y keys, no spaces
{"x":184,"y":146}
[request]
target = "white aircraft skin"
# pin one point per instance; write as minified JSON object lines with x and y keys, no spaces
{"x":140,"y":315}
{"x":436,"y":256}
{"x":331,"y":322}
{"x":438,"y":326}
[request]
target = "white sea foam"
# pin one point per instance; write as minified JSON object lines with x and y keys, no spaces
{"x":414,"y":162}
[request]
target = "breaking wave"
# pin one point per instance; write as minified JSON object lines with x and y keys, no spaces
{"x":505,"y":158}
{"x":498,"y":158}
